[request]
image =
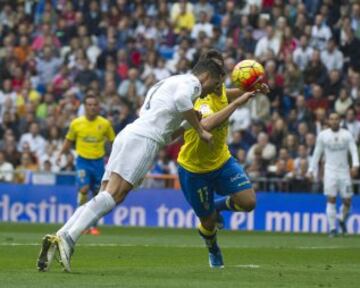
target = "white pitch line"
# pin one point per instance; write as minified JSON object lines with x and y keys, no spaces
{"x":251,"y":266}
{"x":9,"y":244}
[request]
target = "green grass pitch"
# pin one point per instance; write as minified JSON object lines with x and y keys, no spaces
{"x":146,"y":257}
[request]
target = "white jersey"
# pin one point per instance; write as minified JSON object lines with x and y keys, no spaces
{"x":161,"y":113}
{"x":336,"y":146}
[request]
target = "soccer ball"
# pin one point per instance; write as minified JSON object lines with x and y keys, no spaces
{"x":247,"y":75}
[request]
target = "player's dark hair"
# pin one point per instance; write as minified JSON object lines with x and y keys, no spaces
{"x":208,"y":66}
{"x":212,"y":54}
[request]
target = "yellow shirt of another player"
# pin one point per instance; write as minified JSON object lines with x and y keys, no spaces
{"x":197,"y":156}
{"x":90,"y":136}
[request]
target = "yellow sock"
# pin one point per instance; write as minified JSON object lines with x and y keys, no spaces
{"x":233,"y":206}
{"x":209,"y":237}
{"x":206,"y":232}
{"x":82,"y":198}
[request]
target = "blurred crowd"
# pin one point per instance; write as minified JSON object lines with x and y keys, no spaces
{"x":52,"y":51}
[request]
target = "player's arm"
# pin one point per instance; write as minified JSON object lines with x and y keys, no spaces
{"x":110,"y":133}
{"x":64,"y":149}
{"x":216,"y":119}
{"x":183,"y":101}
{"x":319,"y":149}
{"x":68,"y":143}
{"x":233,"y":93}
{"x":354,"y":157}
{"x":192,"y":118}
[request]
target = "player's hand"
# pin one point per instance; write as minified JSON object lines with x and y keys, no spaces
{"x":245,"y":97}
{"x":198,"y":115}
{"x":206,"y":136}
{"x":354,"y":172}
{"x":264,"y":88}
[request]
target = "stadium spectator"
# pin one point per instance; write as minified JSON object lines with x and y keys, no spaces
{"x":163,"y":166}
{"x":270,"y":41}
{"x":317,"y":100}
{"x":302,"y":54}
{"x":6,"y":169}
{"x":352,"y":124}
{"x":202,"y":26}
{"x":350,"y":49}
{"x":343,"y":103}
{"x":132,"y":88}
{"x":268,"y":150}
{"x":183,"y":19}
{"x":320,"y":33}
{"x":24,"y":170}
{"x":284,"y":164}
{"x":315,"y":72}
{"x":332,"y":57}
{"x":47,"y":65}
{"x":35,"y":141}
{"x":240,"y":119}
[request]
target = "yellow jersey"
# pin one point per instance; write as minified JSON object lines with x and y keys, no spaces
{"x":90,"y":136}
{"x":197,"y":156}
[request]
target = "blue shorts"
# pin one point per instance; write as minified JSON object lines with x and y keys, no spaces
{"x":199,"y":189}
{"x":89,"y":172}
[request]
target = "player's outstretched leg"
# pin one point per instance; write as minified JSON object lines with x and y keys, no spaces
{"x":92,"y":211}
{"x":115,"y":192}
{"x":210,"y":239}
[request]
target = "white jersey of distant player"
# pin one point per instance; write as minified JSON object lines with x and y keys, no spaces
{"x":161,"y":113}
{"x":336,"y":145}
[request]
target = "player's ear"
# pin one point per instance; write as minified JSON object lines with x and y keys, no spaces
{"x":207,"y":76}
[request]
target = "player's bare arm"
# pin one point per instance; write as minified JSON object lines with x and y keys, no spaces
{"x":64,"y":149}
{"x":220,"y":117}
{"x":192,"y":117}
{"x":233,"y":93}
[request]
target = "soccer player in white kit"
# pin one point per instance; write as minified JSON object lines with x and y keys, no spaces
{"x":335,"y":143}
{"x":166,"y":106}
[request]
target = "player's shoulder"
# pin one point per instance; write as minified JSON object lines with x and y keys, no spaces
{"x":102,"y":119}
{"x":346,"y":132}
{"x":78,"y":120}
{"x":188,"y":81}
{"x":324,"y":132}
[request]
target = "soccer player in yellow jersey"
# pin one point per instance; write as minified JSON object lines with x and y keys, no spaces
{"x":205,"y":169}
{"x":90,"y":134}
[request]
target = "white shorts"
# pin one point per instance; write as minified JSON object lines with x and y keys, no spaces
{"x":335,"y":183}
{"x":131,"y":157}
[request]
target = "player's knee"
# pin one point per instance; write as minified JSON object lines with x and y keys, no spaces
{"x":248,"y":205}
{"x":246,"y":200}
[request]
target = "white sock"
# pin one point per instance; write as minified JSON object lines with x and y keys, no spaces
{"x":93,"y":210}
{"x":344,"y":212}
{"x":71,"y":220}
{"x":331,"y":215}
